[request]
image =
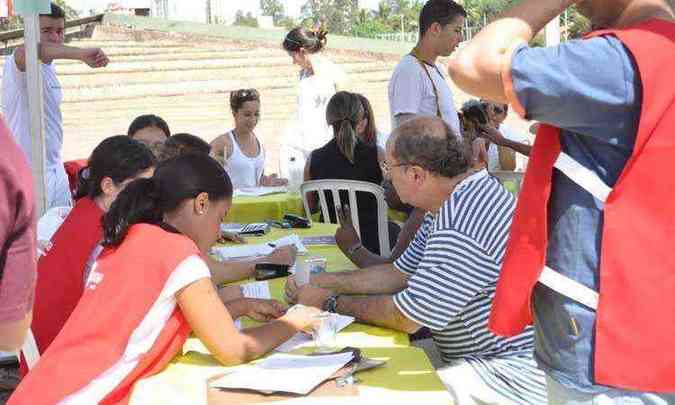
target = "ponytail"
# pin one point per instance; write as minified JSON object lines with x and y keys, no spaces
{"x":346,"y":139}
{"x":138,"y":203}
{"x":175,"y":181}
{"x":343,"y":112}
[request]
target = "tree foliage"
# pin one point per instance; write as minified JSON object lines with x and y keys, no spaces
{"x":272,"y":8}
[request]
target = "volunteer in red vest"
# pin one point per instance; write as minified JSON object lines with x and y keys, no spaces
{"x":590,"y":253}
{"x":63,"y":269}
{"x":148,"y":290}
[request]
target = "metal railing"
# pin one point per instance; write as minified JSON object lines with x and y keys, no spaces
{"x":6,"y":37}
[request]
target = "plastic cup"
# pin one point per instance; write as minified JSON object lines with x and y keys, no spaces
{"x":325,"y":333}
{"x":301,"y":275}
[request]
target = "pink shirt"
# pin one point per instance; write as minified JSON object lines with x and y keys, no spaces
{"x":17,"y":231}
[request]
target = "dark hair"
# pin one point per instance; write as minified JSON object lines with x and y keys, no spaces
{"x":344,"y":111}
{"x":239,"y":97}
{"x":302,"y":38}
{"x":55,"y":12}
{"x":182,"y":144}
{"x":174,"y":181}
{"x":370,"y":135}
{"x":118,"y":157}
{"x":473,"y":116}
{"x":431,"y":144}
{"x":439,"y":11}
{"x":146,"y":121}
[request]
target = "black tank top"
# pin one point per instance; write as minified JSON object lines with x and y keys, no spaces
{"x":328,"y":162}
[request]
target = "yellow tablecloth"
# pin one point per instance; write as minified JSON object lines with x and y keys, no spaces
{"x":257,"y":209}
{"x":407,"y":376}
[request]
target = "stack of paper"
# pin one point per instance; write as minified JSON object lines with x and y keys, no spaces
{"x":259,"y":191}
{"x":285,"y":373}
{"x":262,"y":249}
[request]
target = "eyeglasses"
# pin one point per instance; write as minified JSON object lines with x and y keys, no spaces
{"x":386,"y":168}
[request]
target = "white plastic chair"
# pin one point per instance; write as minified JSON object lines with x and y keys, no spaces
{"x":30,"y":350}
{"x":351,"y":186}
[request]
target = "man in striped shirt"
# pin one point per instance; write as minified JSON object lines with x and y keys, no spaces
{"x":447,"y":277}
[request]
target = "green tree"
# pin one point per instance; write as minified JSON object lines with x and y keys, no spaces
{"x":337,"y":16}
{"x":272,"y":8}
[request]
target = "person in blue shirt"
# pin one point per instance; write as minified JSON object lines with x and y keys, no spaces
{"x":591,"y":90}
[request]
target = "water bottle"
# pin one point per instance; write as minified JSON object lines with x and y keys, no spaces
{"x":296,"y":175}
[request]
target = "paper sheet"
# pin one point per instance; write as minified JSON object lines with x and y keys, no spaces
{"x":258,"y":289}
{"x":300,"y":340}
{"x":285,"y":373}
{"x":259,"y":191}
{"x":261,"y":249}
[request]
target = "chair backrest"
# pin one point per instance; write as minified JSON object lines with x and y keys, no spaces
{"x":334,"y":186}
{"x":30,"y":350}
{"x":516,"y":178}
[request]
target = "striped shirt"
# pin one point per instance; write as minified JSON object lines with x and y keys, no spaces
{"x":454,"y":263}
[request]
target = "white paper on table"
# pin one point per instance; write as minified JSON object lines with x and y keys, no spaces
{"x":257,"y":289}
{"x":260,"y":249}
{"x":285,"y":373}
{"x":259,"y":191}
{"x":300,"y":340}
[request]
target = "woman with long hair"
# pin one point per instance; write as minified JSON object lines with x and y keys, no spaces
{"x":319,"y":80}
{"x":149,"y":290}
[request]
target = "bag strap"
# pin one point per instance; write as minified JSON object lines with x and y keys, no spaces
{"x":415,"y":54}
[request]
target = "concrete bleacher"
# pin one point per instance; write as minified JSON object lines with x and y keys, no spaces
{"x":185,"y":71}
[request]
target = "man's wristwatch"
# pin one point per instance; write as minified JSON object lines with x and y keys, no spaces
{"x":330,"y":305}
{"x":352,"y":249}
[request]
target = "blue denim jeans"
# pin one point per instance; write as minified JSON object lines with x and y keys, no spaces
{"x":560,"y":395}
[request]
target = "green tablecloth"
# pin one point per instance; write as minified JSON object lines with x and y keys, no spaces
{"x":408,"y":375}
{"x":257,"y":209}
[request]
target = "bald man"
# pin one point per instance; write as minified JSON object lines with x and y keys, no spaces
{"x":446,"y":278}
{"x":590,"y":258}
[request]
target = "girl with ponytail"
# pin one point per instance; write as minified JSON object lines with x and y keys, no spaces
{"x":319,"y":80}
{"x":149,"y":290}
{"x":63,"y":269}
{"x":348,"y":156}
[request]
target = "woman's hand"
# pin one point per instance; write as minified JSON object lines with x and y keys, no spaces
{"x":302,"y":318}
{"x":273,"y":181}
{"x":264,"y":310}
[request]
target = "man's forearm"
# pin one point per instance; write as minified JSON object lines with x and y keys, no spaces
{"x":377,"y":310}
{"x":477,"y":67}
{"x":383,"y":279}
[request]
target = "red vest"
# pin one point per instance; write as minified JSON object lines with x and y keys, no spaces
{"x":129,"y":280}
{"x":634,"y":325}
{"x":60,"y":281}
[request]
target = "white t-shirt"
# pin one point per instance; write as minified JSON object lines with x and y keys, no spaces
{"x":314,"y":93}
{"x":15,"y":110}
{"x":493,"y":151}
{"x":411,"y":92}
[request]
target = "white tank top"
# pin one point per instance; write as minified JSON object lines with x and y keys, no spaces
{"x":244,"y":171}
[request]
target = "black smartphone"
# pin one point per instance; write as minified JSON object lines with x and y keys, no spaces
{"x":268,"y":271}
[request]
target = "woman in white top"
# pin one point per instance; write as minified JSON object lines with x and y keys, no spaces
{"x":319,"y":80}
{"x":239,"y":150}
{"x":508,"y":149}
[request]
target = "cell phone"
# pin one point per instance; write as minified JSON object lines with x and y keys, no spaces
{"x":297,"y":221}
{"x":268,"y":271}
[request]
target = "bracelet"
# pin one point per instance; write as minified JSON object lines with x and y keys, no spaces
{"x":352,"y":249}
